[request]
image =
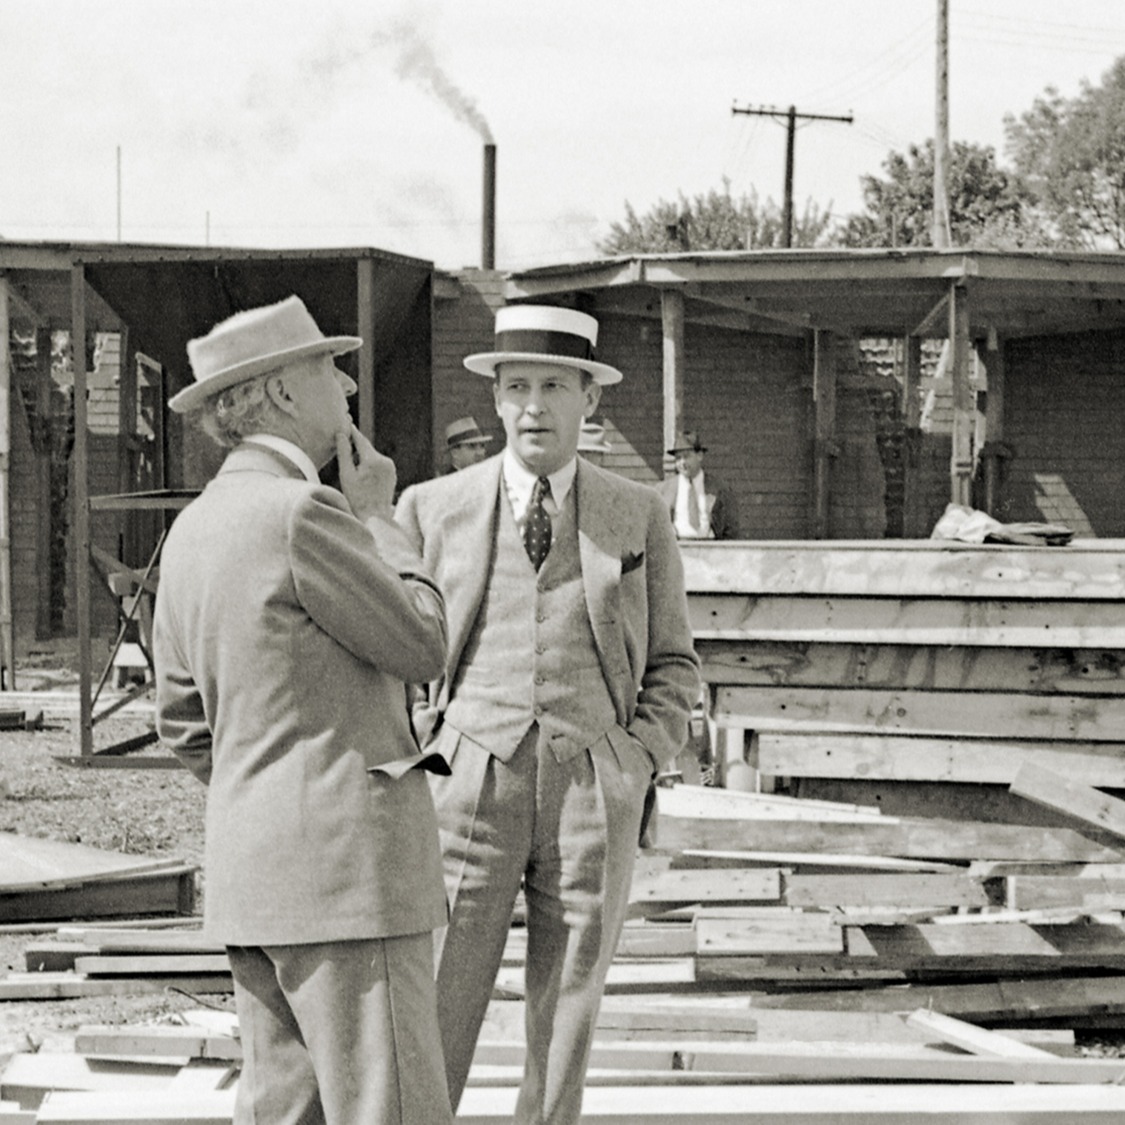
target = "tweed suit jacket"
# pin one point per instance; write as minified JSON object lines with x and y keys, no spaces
{"x":724,"y":506}
{"x":632,"y":579}
{"x":283,"y":633}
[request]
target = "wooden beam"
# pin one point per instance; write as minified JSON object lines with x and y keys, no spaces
{"x":978,"y":714}
{"x":963,"y":454}
{"x":909,"y":621}
{"x":882,"y":1103}
{"x":824,"y":892}
{"x":672,"y":324}
{"x":976,"y":1040}
{"x":824,"y":430}
{"x":1089,"y":569}
{"x":906,"y":838}
{"x":971,"y":761}
{"x":1062,"y":793}
{"x":81,"y":509}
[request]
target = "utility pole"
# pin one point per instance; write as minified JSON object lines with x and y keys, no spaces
{"x":940,"y":234}
{"x":791,"y":117}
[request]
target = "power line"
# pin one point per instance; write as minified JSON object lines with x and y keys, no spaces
{"x":791,"y":117}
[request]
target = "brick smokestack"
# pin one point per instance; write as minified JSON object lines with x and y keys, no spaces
{"x":488,"y":210}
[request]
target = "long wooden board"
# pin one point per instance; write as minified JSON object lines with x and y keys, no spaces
{"x":1001,"y":947}
{"x":906,"y":891}
{"x":1054,"y":790}
{"x":113,"y":1108}
{"x":1009,"y":1001}
{"x":976,"y":761}
{"x":919,"y":621}
{"x":840,"y":1062}
{"x":1039,"y":670}
{"x":1092,"y":569}
{"x":976,"y":714}
{"x":881,"y":1103}
{"x":917,"y":838}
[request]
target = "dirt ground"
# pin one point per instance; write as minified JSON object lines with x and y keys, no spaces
{"x":146,"y":812}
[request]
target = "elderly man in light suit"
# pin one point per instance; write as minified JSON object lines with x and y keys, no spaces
{"x":288,"y":619}
{"x":569,"y":683}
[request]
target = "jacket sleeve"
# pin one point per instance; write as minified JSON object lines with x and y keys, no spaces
{"x":670,"y":684}
{"x":365,"y":585}
{"x":181,"y":723}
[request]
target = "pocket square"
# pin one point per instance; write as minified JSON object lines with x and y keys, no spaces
{"x":631,"y":562}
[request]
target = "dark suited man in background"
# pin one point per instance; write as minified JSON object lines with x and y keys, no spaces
{"x":569,"y":683}
{"x":465,"y":443}
{"x":702,"y":507}
{"x":288,"y":617}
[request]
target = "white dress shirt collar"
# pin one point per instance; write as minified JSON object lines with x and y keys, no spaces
{"x":519,"y":481}
{"x":290,"y":451}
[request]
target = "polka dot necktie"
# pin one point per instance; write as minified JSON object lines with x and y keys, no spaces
{"x":537,"y":529}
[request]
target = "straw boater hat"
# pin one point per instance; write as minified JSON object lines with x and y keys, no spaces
{"x":591,"y":439}
{"x":251,"y":343}
{"x":687,"y":441}
{"x":544,"y":334}
{"x":465,"y":431}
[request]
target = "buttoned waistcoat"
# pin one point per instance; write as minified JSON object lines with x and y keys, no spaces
{"x":632,"y":583}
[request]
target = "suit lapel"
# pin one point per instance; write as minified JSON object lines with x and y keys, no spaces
{"x":599,"y":549}
{"x":471,"y":526}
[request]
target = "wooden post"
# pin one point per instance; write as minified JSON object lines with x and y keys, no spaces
{"x":41,"y":438}
{"x":7,"y":638}
{"x":964,"y":408}
{"x":672,"y":321}
{"x":824,"y":450}
{"x":991,"y":357}
{"x":912,"y":423}
{"x":940,"y":229}
{"x":81,"y":529}
{"x":365,"y":319}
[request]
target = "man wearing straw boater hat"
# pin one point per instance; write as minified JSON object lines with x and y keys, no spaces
{"x":466,"y":443}
{"x":569,"y":683}
{"x":288,"y":618}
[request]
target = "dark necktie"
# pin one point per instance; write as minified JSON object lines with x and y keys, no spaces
{"x":693,"y":512}
{"x":537,"y":529}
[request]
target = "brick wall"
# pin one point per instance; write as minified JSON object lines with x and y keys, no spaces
{"x":1064,"y":413}
{"x":465,"y":305}
{"x":748,"y":395}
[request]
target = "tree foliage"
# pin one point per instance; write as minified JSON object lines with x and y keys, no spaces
{"x":987,"y":205}
{"x":715,"y":220}
{"x":1071,"y":156}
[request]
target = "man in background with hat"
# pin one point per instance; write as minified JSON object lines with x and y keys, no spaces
{"x":593,"y":444}
{"x":288,"y":619}
{"x":569,"y":682}
{"x":701,"y":506}
{"x":465,"y":443}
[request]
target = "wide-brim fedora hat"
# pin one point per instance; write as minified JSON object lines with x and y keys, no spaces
{"x":544,"y":334}
{"x":465,"y":431}
{"x":687,"y":441}
{"x":251,"y":343}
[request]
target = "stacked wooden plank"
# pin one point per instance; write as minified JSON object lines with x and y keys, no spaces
{"x":104,"y":961}
{"x":858,"y":667}
{"x":48,"y":880}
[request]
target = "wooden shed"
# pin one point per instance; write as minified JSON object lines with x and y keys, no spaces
{"x":852,"y":393}
{"x":94,"y":465}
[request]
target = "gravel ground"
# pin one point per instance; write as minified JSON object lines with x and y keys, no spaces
{"x":145,"y":812}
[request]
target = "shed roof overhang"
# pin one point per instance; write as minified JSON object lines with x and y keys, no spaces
{"x":880,"y":293}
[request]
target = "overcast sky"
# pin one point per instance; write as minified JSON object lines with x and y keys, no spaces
{"x":330,"y":123}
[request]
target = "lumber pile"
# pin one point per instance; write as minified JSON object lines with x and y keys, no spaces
{"x":48,"y":880}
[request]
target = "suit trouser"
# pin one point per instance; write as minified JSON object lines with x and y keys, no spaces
{"x":341,"y":1033}
{"x":568,"y":831}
